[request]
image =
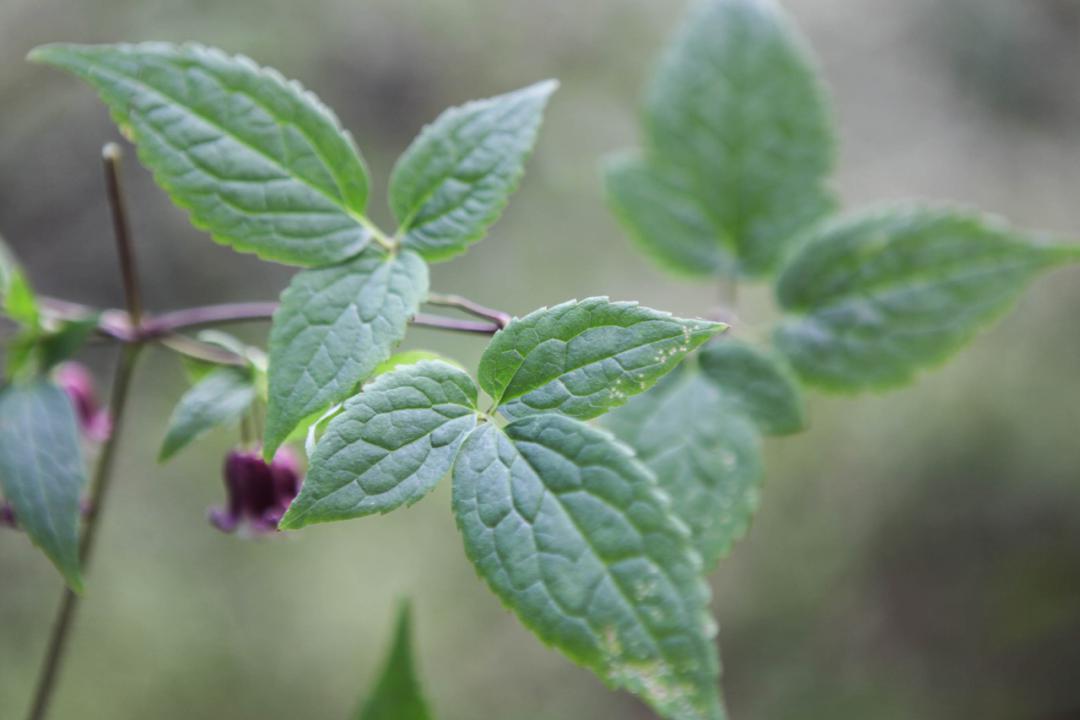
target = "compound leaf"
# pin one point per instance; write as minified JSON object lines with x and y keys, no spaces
{"x":259,"y":162}
{"x":572,"y":533}
{"x":756,"y":383}
{"x":455,"y":179}
{"x":705,"y":452}
{"x":389,"y":446}
{"x":738,"y":143}
{"x":218,"y":398}
{"x":585,"y":357}
{"x":42,"y":471}
{"x":397,"y":694}
{"x":876,"y":297}
{"x":335,"y":325}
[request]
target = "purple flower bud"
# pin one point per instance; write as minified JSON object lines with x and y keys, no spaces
{"x":258,"y":493}
{"x":7,"y":516}
{"x":78,"y":383}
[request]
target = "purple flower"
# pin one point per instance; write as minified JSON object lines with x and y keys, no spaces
{"x":258,"y":493}
{"x":7,"y":516}
{"x":74,"y":379}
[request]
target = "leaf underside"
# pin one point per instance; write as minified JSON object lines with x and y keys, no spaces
{"x":585,"y":357}
{"x":219,"y":398}
{"x":42,"y":471}
{"x":260,"y":163}
{"x":571,"y":532}
{"x":333,"y":328}
{"x":875,"y":298}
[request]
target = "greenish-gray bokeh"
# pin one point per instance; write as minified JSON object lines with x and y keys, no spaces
{"x":917,"y":553}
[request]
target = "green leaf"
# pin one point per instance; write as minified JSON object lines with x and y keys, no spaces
{"x":571,"y":532}
{"x":738,"y":144}
{"x":259,"y":162}
{"x":335,"y":325}
{"x":453,"y":182}
{"x":585,"y":357}
{"x":64,"y":341}
{"x":705,"y":452}
{"x":21,"y":358}
{"x":756,"y":383}
{"x":17,"y":299}
{"x":411,"y":357}
{"x":42,"y":471}
{"x":657,"y":207}
{"x":389,"y":446}
{"x":877,"y":297}
{"x":219,"y":398}
{"x":397,"y":695}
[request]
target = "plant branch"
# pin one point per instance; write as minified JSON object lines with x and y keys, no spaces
{"x":177,"y":320}
{"x":164,"y":328}
{"x":111,"y":156}
{"x":464,"y":304}
{"x":99,"y":486}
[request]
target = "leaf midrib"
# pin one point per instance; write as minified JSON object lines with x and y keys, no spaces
{"x":338,"y":202}
{"x":654,"y":638}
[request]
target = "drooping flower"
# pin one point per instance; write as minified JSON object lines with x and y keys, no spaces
{"x":258,"y":493}
{"x":74,"y":379}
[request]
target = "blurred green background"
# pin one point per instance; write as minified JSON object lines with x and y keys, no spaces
{"x":917,"y":554}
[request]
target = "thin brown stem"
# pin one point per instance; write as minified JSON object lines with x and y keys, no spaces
{"x":187,"y":318}
{"x":466,"y":305}
{"x":164,"y":328}
{"x":99,"y":486}
{"x":111,"y":156}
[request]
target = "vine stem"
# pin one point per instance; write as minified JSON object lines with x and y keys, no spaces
{"x":118,"y":400}
{"x":464,"y":304}
{"x":166,"y":328}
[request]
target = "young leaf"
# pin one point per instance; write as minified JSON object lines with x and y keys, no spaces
{"x":335,"y":325}
{"x":755,"y":383}
{"x":397,"y":695}
{"x":705,"y":452}
{"x":571,"y":532}
{"x":17,"y":299}
{"x":877,"y":297}
{"x":738,"y":142}
{"x":453,"y":182}
{"x":389,"y":446}
{"x":219,"y":398}
{"x":258,"y":161}
{"x":41,"y":470}
{"x":585,"y":357}
{"x":64,"y":341}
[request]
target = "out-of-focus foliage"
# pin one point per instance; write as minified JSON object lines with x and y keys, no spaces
{"x":917,"y":491}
